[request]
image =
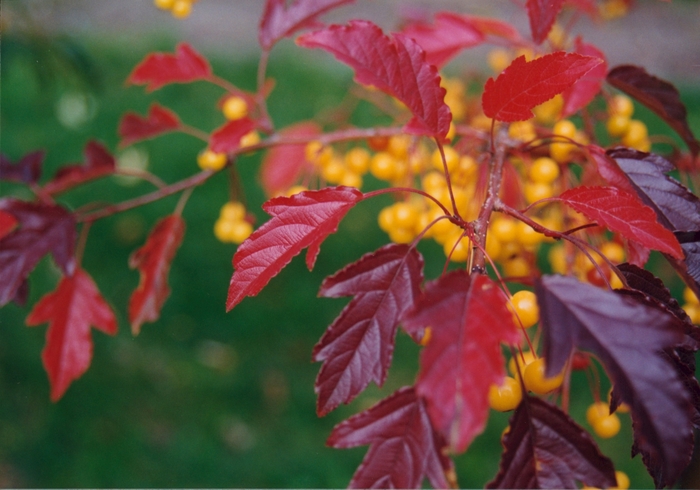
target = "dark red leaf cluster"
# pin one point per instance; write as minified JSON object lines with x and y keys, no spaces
{"x":159,"y":69}
{"x":159,"y":120}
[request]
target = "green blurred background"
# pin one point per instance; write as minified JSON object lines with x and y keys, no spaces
{"x":201,"y":398}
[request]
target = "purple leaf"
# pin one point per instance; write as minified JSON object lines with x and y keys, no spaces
{"x":27,"y":170}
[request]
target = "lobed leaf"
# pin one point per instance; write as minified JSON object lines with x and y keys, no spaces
{"x":280,"y":20}
{"x":98,"y":163}
{"x":624,"y":213}
{"x":526,"y":84}
{"x":545,"y":448}
{"x":396,"y":65}
{"x":658,"y":95}
{"x":445,"y":38}
{"x":70,"y":310}
{"x":357,"y":348}
{"x":404,"y":448}
{"x":153,"y":262}
{"x":43,"y":228}
{"x":227,"y":138}
{"x":627,"y":336}
{"x":542,"y":14}
{"x":160,"y":120}
{"x":27,"y":170}
{"x":283,"y":164}
{"x":582,"y":92}
{"x":159,"y":69}
{"x":469,"y":320}
{"x":300,"y":221}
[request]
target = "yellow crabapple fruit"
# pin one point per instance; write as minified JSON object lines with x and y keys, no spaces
{"x":507,"y":396}
{"x":181,"y":9}
{"x":524,"y":305}
{"x":689,"y":296}
{"x":621,"y":105}
{"x":240,"y":230}
{"x":522,"y":361}
{"x":504,"y":229}
{"x":383,"y":166}
{"x":617,"y":124}
{"x":357,"y":160}
{"x":544,"y":170}
{"x":235,"y":107}
{"x":209,"y":160}
{"x":536,"y":381}
{"x":250,"y":139}
{"x":164,"y":4}
{"x":232,"y":211}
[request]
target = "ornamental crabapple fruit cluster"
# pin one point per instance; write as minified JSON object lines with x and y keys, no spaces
{"x":233,"y":225}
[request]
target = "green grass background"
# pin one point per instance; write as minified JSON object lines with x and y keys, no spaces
{"x":201,"y":398}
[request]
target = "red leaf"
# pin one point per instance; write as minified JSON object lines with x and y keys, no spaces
{"x":43,"y":228}
{"x":159,"y":69}
{"x":627,"y":336}
{"x":609,"y":169}
{"x":280,"y":21}
{"x":303,"y":220}
{"x":545,"y":448}
{"x":70,"y":310}
{"x":469,"y":320}
{"x":581,"y":93}
{"x":27,"y":170}
{"x":658,"y":95}
{"x":542,"y":14}
{"x":98,"y":163}
{"x":283,"y":164}
{"x":624,"y":213}
{"x":404,"y":447}
{"x":443,"y":40}
{"x":494,"y":27}
{"x":7,"y":224}
{"x":153,"y":262}
{"x":526,"y":84}
{"x":227,"y":138}
{"x":160,"y":120}
{"x":358,"y":346}
{"x":395,"y":65}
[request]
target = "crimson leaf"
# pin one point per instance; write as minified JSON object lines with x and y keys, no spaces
{"x":300,"y":221}
{"x":658,"y":95}
{"x":43,"y":228}
{"x":159,"y":69}
{"x":98,"y":163}
{"x":280,"y":21}
{"x":627,"y":336}
{"x":159,"y":120}
{"x":542,"y":14}
{"x":153,"y":262}
{"x":227,"y":138}
{"x":70,"y":310}
{"x":358,"y":346}
{"x":7,"y":223}
{"x":581,"y":93}
{"x":284,"y":163}
{"x":610,"y":171}
{"x":395,"y":65}
{"x":443,"y":40}
{"x":27,"y":170}
{"x":624,"y":213}
{"x":469,"y":320}
{"x":545,"y":448}
{"x":526,"y":84}
{"x":404,"y":447}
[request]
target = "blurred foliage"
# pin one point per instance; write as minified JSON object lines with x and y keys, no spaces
{"x":201,"y":398}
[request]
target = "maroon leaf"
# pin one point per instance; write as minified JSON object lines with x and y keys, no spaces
{"x":545,"y":448}
{"x":227,"y":138}
{"x":404,"y":447}
{"x":283,"y":164}
{"x":542,"y":14}
{"x":280,"y":21}
{"x":159,"y":69}
{"x":627,"y":336}
{"x":98,"y":163}
{"x":153,"y":262}
{"x":27,"y":170}
{"x":469,"y":320}
{"x":443,"y":40}
{"x":303,"y":220}
{"x":658,"y":95}
{"x":581,"y":93}
{"x":70,"y":310}
{"x":624,"y":213}
{"x":395,"y":65}
{"x":526,"y":84}
{"x":676,"y":207}
{"x":43,"y":228}
{"x":160,"y":120}
{"x":358,"y":346}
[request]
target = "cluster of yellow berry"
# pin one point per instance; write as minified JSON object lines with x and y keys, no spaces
{"x":632,"y":133}
{"x":179,"y":9}
{"x":232,"y":225}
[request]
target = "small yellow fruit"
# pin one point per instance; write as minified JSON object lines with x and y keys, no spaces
{"x":536,"y":381}
{"x":507,"y":396}
{"x":209,"y":160}
{"x":182,"y":9}
{"x":235,"y":108}
{"x":232,"y":211}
